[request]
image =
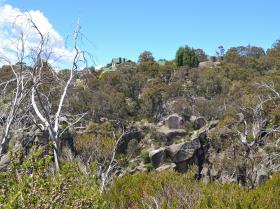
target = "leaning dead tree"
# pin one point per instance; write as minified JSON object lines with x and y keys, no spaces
{"x":50,"y":120}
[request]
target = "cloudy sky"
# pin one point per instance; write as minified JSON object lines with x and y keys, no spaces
{"x":14,"y":27}
{"x":126,"y":28}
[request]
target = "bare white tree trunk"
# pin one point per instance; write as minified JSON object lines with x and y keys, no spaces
{"x":50,"y":122}
{"x":21,"y":79}
{"x":53,"y":125}
{"x":106,"y":174}
{"x":256,"y":129}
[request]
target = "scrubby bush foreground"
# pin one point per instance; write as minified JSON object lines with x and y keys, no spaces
{"x":30,"y":185}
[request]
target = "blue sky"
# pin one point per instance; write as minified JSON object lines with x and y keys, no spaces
{"x":128,"y":27}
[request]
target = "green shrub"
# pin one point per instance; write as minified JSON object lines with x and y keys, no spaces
{"x":145,"y":157}
{"x":30,"y":184}
{"x":168,"y":189}
{"x":236,"y":197}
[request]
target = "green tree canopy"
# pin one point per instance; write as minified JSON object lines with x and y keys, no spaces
{"x":238,"y":54}
{"x":186,"y":56}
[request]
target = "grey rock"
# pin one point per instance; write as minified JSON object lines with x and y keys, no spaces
{"x":207,"y":64}
{"x":133,"y":133}
{"x":205,"y":171}
{"x":200,"y":135}
{"x":174,"y":121}
{"x":157,"y":157}
{"x":168,"y":136}
{"x":205,"y":174}
{"x":4,"y":162}
{"x":262,"y":176}
{"x":183,"y":151}
{"x":182,"y":167}
{"x":133,"y":148}
{"x":214,"y":173}
{"x":198,"y":122}
{"x":166,"y":167}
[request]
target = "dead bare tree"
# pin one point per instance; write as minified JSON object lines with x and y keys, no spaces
{"x":270,"y":86}
{"x":50,"y":121}
{"x":105,"y":168}
{"x":273,"y":95}
{"x":100,"y":150}
{"x":255,"y":128}
{"x":25,"y":83}
{"x":14,"y":91}
{"x":258,"y":121}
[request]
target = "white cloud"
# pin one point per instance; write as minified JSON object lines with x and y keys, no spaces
{"x":98,"y":67}
{"x":13,"y":22}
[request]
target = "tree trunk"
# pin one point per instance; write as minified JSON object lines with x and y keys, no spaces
{"x":56,"y":156}
{"x":54,"y":138}
{"x":5,"y":141}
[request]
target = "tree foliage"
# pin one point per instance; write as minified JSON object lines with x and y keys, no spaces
{"x":186,"y":56}
{"x":146,"y":56}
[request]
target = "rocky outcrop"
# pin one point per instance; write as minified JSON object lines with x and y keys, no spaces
{"x":173,"y":121}
{"x":170,"y":129}
{"x":168,"y":136}
{"x":184,"y":151}
{"x":198,"y":122}
{"x":157,"y":157}
{"x":132,"y":133}
{"x":207,"y":64}
{"x":192,"y":151}
{"x":246,"y":165}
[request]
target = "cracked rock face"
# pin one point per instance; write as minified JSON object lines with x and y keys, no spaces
{"x":183,"y":151}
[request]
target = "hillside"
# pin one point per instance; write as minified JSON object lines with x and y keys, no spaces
{"x":186,"y":133}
